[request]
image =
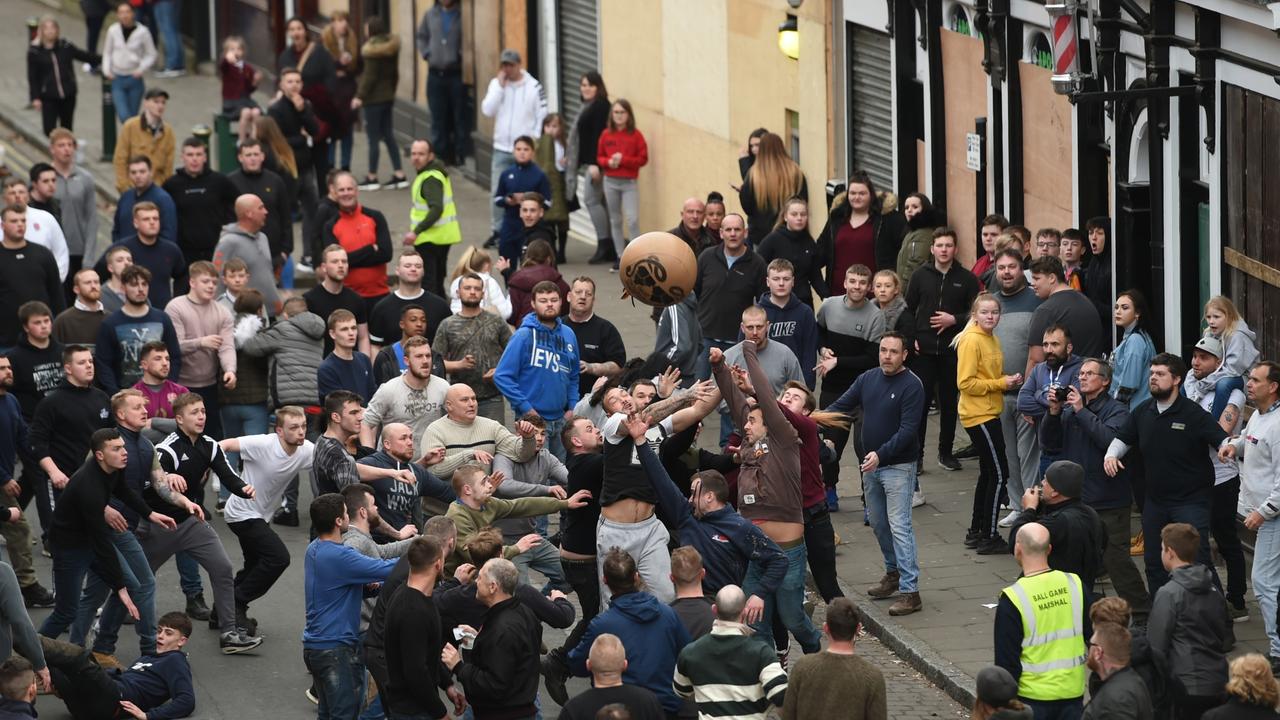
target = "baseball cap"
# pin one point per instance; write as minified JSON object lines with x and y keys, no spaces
{"x":1211,"y":345}
{"x":509,"y":57}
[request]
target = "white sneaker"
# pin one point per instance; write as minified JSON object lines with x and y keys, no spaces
{"x":917,"y":499}
{"x":1008,"y":519}
{"x":301,"y":269}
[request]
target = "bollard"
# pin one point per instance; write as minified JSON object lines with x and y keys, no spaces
{"x":108,"y":122}
{"x":33,"y":28}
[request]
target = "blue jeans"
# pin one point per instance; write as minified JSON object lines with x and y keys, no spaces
{"x":498,"y":164}
{"x":238,"y":421}
{"x":1056,"y":710}
{"x":167,"y":12}
{"x":1222,"y":393}
{"x":346,"y":141}
{"x":338,"y":674}
{"x":142,"y":590}
{"x":377,"y":126}
{"x":188,"y":574}
{"x":1155,"y":515}
{"x":1266,"y":579}
{"x":555,"y":445}
{"x":888,"y":491}
{"x":787,"y":601}
{"x":126,"y":95}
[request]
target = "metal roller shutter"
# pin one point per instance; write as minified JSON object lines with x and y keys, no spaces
{"x":870,"y":105}
{"x":579,"y":51}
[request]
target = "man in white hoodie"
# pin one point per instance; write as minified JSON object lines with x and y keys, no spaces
{"x":1258,"y":449}
{"x":517,"y":105}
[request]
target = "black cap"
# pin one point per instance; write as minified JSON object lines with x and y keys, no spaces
{"x":1066,"y":477}
{"x":156,"y":92}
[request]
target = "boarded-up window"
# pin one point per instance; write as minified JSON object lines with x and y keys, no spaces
{"x":1251,"y":194}
{"x":965,"y":100}
{"x":1046,"y":151}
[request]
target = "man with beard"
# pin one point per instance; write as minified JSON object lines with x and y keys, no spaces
{"x":398,"y":501}
{"x":124,"y":332}
{"x":1017,"y":304}
{"x":391,"y":361}
{"x":415,"y":398}
{"x":1172,"y":432}
{"x":1059,"y":371}
{"x":469,"y":345}
{"x":539,"y":370}
{"x":78,"y":324}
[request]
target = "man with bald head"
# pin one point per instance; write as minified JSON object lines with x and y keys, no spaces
{"x":245,"y":239}
{"x":726,"y":672}
{"x":730,"y":278}
{"x":1050,"y":665}
{"x":607,"y":661}
{"x":398,"y":501}
{"x":467,"y":438}
{"x":691,"y":229}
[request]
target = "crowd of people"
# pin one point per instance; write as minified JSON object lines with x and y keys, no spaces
{"x":461,"y":431}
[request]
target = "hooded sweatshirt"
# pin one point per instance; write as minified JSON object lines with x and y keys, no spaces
{"x":255,"y":251}
{"x":798,"y":248}
{"x":160,"y":685}
{"x":294,"y":346}
{"x":204,"y":203}
{"x":521,"y":286}
{"x":653,"y":636}
{"x":64,"y":422}
{"x":1240,"y":350}
{"x":539,"y":369}
{"x":794,"y":325}
{"x":915,"y":246}
{"x":1189,"y":628}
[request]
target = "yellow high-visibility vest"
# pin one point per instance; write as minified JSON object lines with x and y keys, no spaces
{"x":1053,"y":643}
{"x":445,"y":231}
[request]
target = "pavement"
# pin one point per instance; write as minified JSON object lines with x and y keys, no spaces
{"x":930,"y":659}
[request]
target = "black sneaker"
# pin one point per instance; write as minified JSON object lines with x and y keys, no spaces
{"x":196,"y":607}
{"x":237,"y":641}
{"x":948,"y":462}
{"x":1275,"y":665}
{"x":36,"y":595}
{"x":554,"y":675}
{"x":968,"y":452}
{"x":614,"y":268}
{"x":286,"y":516}
{"x":492,"y":242}
{"x":971,"y":539}
{"x":245,"y":623}
{"x":994,"y":545}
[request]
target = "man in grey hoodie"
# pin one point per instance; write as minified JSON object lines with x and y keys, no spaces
{"x":244,"y":239}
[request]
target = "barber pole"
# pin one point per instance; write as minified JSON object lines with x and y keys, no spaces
{"x":1066,"y":46}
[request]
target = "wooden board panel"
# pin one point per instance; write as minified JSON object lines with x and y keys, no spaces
{"x":965,"y":100}
{"x":1046,"y":151}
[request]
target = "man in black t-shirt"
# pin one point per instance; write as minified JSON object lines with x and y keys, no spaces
{"x":331,"y":294}
{"x":607,"y":661}
{"x":600,"y":348}
{"x":1061,"y":305}
{"x":384,"y":318}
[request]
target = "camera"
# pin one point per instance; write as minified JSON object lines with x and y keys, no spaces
{"x":1060,"y":392}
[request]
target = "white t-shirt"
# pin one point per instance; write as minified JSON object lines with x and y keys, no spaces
{"x":615,"y":431}
{"x":1224,"y":471}
{"x":268,"y":468}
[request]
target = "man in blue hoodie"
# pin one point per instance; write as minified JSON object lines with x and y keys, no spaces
{"x":791,"y":322}
{"x":524,"y":176}
{"x":538,"y":372}
{"x":650,"y":631}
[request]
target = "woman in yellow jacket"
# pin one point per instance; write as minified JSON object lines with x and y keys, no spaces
{"x":982,"y":387}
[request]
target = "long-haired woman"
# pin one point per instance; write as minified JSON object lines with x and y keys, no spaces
{"x":860,"y":232}
{"x":791,"y":241}
{"x":1132,"y":359}
{"x":922,"y":220}
{"x":774,"y":178}
{"x":584,"y":140}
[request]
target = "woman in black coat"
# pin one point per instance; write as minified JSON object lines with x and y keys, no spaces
{"x":772,"y":179}
{"x":792,"y":242}
{"x":51,"y":75}
{"x":859,"y":206}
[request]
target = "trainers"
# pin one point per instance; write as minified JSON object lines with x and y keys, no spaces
{"x":286,"y":516}
{"x":554,"y":674}
{"x":1008,"y":519}
{"x":36,"y":595}
{"x":244,"y":623}
{"x":917,"y":499}
{"x":302,"y":269}
{"x":906,"y":604}
{"x":971,"y":539}
{"x":994,"y":545}
{"x":783,"y":657}
{"x":887,"y":586}
{"x":948,"y":462}
{"x":399,"y":182}
{"x":311,"y":695}
{"x":492,"y":242}
{"x":370,"y":184}
{"x":221,"y":506}
{"x":1238,"y":614}
{"x":833,"y":500}
{"x":614,"y":268}
{"x":173,"y":73}
{"x":1137,"y":546}
{"x":968,"y":452}
{"x":44,"y":548}
{"x":196,"y":607}
{"x":107,"y":661}
{"x":237,"y":641}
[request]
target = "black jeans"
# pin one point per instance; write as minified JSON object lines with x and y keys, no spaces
{"x":1222,"y":524}
{"x":265,"y":560}
{"x":57,"y":112}
{"x":840,"y":438}
{"x":435,"y":266}
{"x":993,"y":475}
{"x":820,"y":539}
{"x":377,"y":126}
{"x":87,"y":690}
{"x":938,"y":374}
{"x":446,"y":98}
{"x":582,"y":577}
{"x":1155,"y":515}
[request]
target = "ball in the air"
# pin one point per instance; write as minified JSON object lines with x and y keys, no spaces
{"x":658,"y":269}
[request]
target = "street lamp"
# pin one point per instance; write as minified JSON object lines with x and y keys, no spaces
{"x":1066,"y":46}
{"x":789,"y":38}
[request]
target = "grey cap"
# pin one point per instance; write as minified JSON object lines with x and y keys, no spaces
{"x":509,"y":57}
{"x":996,"y":687}
{"x":1211,"y":345}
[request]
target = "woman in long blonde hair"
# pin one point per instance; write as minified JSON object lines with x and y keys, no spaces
{"x":773,"y":179}
{"x":279,"y":155}
{"x":477,"y":261}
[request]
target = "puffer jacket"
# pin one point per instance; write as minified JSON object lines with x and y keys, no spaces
{"x":381,"y":74}
{"x":1190,"y":631}
{"x":295,"y":347}
{"x":915,"y":246}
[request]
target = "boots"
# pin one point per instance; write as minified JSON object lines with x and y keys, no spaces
{"x":906,"y":604}
{"x":555,"y":671}
{"x":887,"y":586}
{"x":196,"y":607}
{"x":604,"y":252}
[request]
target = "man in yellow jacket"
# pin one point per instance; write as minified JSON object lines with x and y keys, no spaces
{"x":1042,"y":623}
{"x":433,"y":216}
{"x":146,"y":134}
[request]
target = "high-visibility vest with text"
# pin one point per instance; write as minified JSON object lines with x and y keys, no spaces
{"x":445,"y":231}
{"x":1052,"y":607}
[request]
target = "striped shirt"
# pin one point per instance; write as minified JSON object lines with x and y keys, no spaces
{"x":460,"y":443}
{"x":729,"y":674}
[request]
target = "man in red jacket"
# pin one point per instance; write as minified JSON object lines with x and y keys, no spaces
{"x":364,"y":234}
